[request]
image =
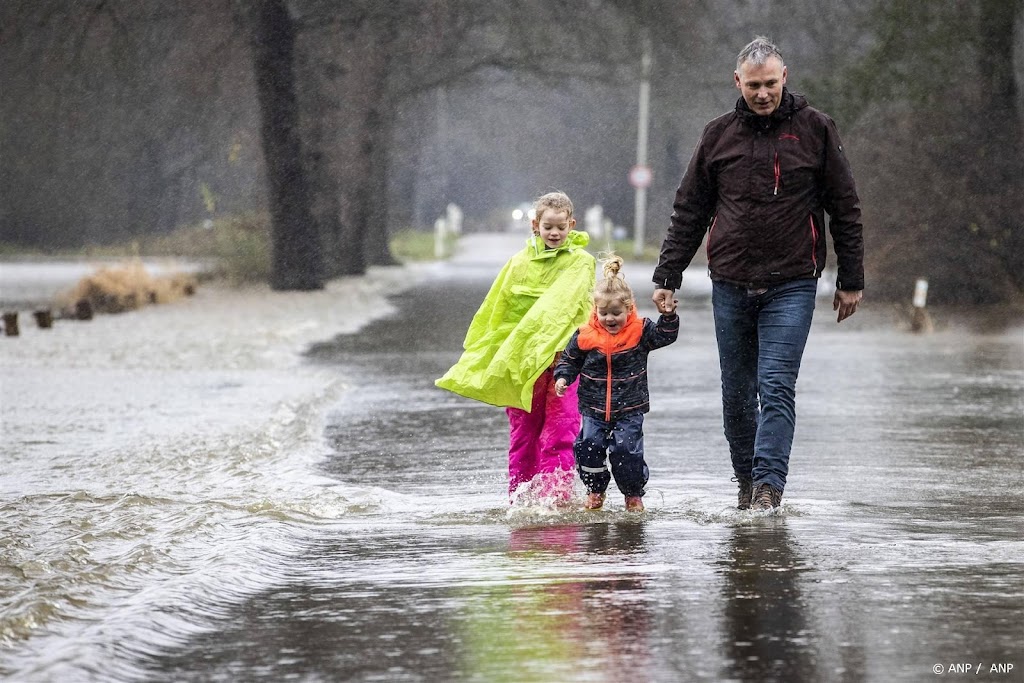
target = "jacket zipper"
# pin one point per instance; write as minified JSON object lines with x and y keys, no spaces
{"x":814,"y":245}
{"x":707,"y":247}
{"x":608,"y":390}
{"x":778,"y":172}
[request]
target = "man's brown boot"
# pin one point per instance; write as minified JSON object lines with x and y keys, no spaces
{"x":766,"y":497}
{"x":745,"y":493}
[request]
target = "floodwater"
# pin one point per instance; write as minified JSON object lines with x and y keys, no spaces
{"x":360,"y":531}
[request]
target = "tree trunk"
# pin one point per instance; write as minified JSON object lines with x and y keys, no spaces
{"x":297,"y":263}
{"x":328,"y":79}
{"x":319,"y":161}
{"x":1001,"y":169}
{"x":373,"y":199}
{"x":998,"y":22}
{"x":371,"y":193}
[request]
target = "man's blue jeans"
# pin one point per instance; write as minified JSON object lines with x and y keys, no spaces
{"x":761,"y":338}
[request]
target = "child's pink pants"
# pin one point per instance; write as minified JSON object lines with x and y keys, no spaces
{"x":540,"y":442}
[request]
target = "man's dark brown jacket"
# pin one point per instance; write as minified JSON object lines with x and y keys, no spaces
{"x":760,"y":186}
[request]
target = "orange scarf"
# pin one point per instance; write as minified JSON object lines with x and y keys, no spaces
{"x":594,"y":336}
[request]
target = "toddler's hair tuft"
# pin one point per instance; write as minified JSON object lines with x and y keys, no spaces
{"x":613,"y":285}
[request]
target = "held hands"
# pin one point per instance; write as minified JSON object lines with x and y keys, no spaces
{"x":664,"y":301}
{"x":560,"y":386}
{"x":846,"y":302}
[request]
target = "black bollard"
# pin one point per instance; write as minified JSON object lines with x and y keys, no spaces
{"x":11,"y":324}
{"x":44,"y":318}
{"x":83,"y":310}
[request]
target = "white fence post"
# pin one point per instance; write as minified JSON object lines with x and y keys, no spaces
{"x":440,"y":229}
{"x":453,"y":216}
{"x":921,"y":321}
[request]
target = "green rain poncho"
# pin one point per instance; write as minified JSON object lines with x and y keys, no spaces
{"x":537,"y":301}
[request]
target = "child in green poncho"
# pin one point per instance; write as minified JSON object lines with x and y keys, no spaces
{"x":540,"y":297}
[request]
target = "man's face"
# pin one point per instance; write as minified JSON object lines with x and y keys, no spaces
{"x":761,"y":85}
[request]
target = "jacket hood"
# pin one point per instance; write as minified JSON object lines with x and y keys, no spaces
{"x":789,"y":104}
{"x":576,"y":239}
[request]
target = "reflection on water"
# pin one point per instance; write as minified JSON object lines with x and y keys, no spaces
{"x":565,"y":627}
{"x":538,"y":603}
{"x":766,"y":631}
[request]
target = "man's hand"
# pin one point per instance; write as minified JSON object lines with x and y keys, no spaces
{"x":560,"y":386}
{"x":664,"y":301}
{"x":846,"y":302}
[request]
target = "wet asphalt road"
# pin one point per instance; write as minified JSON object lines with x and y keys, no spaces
{"x":898,"y":548}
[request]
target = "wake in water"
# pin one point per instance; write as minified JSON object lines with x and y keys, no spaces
{"x":158,"y":460}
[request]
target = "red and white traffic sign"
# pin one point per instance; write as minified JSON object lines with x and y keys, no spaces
{"x":640,"y":176}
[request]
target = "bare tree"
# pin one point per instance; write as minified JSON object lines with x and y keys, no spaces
{"x":364,"y":59}
{"x":113,"y":121}
{"x":128,"y":116}
{"x":295,"y":238}
{"x":943,"y":181}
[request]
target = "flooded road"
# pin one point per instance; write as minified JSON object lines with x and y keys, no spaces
{"x":900,"y":547}
{"x":898,"y":553}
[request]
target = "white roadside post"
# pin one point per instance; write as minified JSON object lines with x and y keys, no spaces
{"x":440,"y":228}
{"x":593,"y":223}
{"x":921,"y":321}
{"x":640,"y":175}
{"x":453,"y":216}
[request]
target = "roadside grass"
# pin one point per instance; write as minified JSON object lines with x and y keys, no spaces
{"x":418,"y":245}
{"x":237,"y":248}
{"x":624,"y":248}
{"x":234,"y":248}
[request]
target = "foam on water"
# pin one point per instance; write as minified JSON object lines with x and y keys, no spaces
{"x":150,"y":458}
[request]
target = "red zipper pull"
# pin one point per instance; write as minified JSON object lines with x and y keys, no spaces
{"x":777,"y":173}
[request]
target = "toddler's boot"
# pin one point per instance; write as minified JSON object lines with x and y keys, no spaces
{"x":634,"y":504}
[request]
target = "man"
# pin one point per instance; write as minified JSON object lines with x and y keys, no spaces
{"x":759,"y":183}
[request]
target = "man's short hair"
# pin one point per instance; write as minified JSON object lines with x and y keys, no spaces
{"x":758,"y":51}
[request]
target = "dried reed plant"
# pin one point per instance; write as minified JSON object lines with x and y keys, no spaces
{"x":127,"y":287}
